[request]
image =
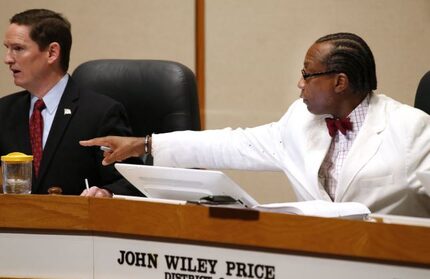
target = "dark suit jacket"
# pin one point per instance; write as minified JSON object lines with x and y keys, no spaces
{"x":65,"y":163}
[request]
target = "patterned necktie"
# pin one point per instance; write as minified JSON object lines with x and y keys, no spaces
{"x":36,"y":132}
{"x":338,"y":124}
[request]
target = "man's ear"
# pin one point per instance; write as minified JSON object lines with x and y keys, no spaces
{"x":341,"y":83}
{"x":53,"y":52}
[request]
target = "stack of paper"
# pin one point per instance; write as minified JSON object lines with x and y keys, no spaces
{"x":319,"y":208}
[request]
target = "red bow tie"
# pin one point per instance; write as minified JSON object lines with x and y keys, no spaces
{"x":338,"y":124}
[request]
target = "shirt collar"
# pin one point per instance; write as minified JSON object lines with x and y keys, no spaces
{"x":53,"y":97}
{"x":358,"y":115}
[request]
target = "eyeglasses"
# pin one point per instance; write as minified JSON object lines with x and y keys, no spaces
{"x":309,"y":75}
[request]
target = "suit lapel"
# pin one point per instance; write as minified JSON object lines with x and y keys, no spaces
{"x":364,"y":147}
{"x":65,"y":111}
{"x":317,"y":144}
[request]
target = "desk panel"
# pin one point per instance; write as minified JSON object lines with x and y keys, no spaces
{"x":77,"y":237}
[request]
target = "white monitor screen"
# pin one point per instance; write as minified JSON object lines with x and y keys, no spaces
{"x":183,"y":184}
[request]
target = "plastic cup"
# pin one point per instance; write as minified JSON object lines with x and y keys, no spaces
{"x":16,"y":173}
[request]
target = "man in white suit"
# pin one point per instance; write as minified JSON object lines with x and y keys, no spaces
{"x":341,"y":142}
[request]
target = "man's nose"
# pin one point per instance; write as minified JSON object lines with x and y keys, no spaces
{"x":301,"y":83}
{"x":8,"y":59}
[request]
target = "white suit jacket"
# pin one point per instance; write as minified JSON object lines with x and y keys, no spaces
{"x":379,"y":171}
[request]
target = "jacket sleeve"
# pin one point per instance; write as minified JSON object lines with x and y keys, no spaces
{"x":263,"y":148}
{"x":256,"y":148}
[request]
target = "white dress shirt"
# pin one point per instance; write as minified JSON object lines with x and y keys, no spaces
{"x":339,"y":148}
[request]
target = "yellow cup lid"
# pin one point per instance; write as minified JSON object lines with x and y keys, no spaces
{"x":17,"y":157}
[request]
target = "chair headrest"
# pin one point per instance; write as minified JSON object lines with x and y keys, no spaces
{"x":159,"y":96}
{"x":422,"y":97}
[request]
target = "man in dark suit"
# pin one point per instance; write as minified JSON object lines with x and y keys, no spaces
{"x":53,"y":113}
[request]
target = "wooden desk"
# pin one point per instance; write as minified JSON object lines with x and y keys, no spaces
{"x":144,"y":234}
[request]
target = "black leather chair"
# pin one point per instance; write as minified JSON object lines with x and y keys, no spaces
{"x":422,"y":98}
{"x":159,"y":96}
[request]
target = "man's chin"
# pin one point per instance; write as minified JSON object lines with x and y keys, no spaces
{"x":18,"y":82}
{"x":308,"y":107}
{"x":313,"y":111}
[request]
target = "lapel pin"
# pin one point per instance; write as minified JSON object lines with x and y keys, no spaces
{"x":67,"y":111}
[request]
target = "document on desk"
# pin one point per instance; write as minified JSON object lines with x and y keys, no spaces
{"x":424,"y":177}
{"x":319,"y":208}
{"x":399,"y":220}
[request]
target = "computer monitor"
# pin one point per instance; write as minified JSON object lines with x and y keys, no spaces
{"x":183,"y":184}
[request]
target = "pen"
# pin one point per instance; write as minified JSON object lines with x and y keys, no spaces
{"x":105,"y":148}
{"x":87,"y":184}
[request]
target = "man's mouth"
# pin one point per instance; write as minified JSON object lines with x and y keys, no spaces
{"x":14,"y":71}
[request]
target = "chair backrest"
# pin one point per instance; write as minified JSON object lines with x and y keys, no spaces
{"x":159,"y":96}
{"x":422,"y":98}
